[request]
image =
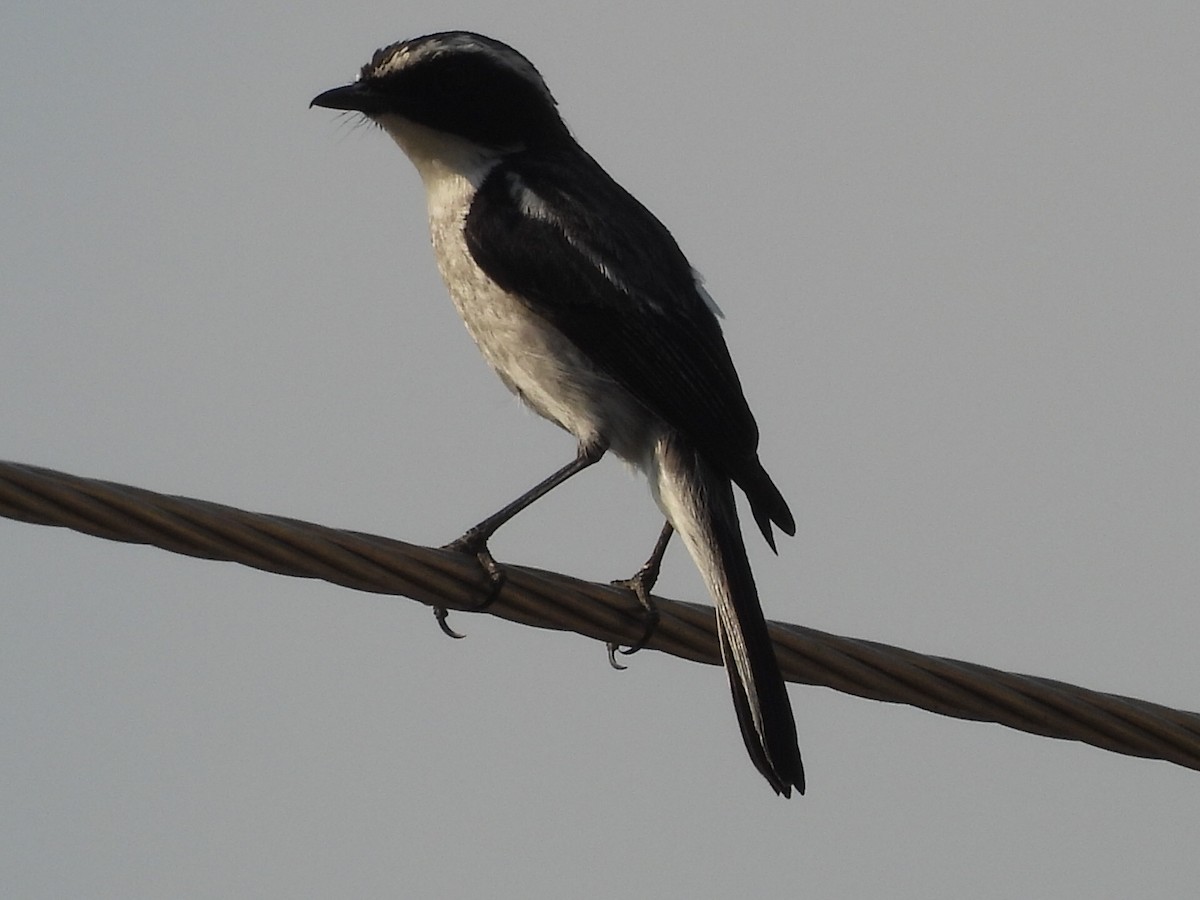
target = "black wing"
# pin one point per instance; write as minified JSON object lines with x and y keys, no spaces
{"x":585,"y":255}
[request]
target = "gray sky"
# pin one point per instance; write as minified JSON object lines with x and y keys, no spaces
{"x":957,"y":249}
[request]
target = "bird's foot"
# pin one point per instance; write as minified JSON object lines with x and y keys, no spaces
{"x":641,"y":584}
{"x":474,"y":543}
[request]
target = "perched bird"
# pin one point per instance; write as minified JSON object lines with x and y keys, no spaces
{"x":584,"y":305}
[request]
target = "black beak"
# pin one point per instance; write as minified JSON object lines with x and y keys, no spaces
{"x":355,"y":97}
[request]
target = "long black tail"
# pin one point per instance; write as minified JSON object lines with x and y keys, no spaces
{"x":699,"y":502}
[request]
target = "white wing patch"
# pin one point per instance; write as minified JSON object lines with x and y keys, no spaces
{"x":532,"y":205}
{"x":535,"y":207}
{"x":705,"y":295}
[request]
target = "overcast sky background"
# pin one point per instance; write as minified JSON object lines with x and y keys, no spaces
{"x":957,"y":249}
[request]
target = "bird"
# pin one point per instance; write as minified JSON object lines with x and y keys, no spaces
{"x":583,"y":303}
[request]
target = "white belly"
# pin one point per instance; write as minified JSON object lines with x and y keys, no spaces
{"x":531,"y":357}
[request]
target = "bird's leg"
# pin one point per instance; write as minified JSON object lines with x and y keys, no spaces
{"x":642,"y":583}
{"x":474,"y":540}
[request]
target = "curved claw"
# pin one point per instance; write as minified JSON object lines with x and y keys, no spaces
{"x":613,"y":650}
{"x":651,"y":624}
{"x":638,"y":585}
{"x":642,"y":583}
{"x":440,"y":613}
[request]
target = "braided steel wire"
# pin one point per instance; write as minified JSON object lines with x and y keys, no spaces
{"x":443,"y":578}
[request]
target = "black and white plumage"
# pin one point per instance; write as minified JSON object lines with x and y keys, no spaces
{"x":585,"y":306}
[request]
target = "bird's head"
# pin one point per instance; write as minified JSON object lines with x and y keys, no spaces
{"x":450,"y":89}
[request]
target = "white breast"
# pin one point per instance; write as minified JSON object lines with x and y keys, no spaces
{"x":531,"y":357}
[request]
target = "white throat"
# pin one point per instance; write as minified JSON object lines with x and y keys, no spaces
{"x":440,"y":158}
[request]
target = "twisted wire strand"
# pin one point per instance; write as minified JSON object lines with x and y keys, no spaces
{"x":544,"y":599}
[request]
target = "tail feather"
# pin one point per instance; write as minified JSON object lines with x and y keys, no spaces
{"x":699,"y":502}
{"x":766,"y":503}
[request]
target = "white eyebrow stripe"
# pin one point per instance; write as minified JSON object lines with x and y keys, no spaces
{"x":407,"y":54}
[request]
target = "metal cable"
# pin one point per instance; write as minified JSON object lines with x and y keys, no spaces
{"x":549,"y":600}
